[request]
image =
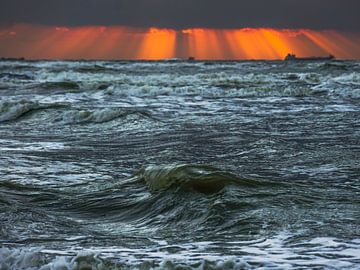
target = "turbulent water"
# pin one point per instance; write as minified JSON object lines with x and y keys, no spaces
{"x":179,"y":165}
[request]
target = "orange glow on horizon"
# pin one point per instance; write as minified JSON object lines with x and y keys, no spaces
{"x":120,"y":42}
{"x":157,"y":44}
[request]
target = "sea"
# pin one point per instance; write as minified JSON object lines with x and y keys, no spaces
{"x":179,"y":165}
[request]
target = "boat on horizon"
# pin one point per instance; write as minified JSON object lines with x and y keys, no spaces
{"x":12,"y":59}
{"x":293,"y":57}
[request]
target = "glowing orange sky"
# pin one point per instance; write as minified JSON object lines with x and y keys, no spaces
{"x":117,"y":42}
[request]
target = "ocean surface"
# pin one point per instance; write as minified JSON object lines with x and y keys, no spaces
{"x":179,"y":165}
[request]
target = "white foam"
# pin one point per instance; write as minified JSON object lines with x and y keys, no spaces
{"x":34,"y":259}
{"x":96,"y":116}
{"x":278,"y":252}
{"x":205,"y":80}
{"x":12,"y":110}
{"x":20,"y":259}
{"x":352,"y":79}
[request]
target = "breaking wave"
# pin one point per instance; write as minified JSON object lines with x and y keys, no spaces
{"x":13,"y":110}
{"x":349,"y":79}
{"x":232,"y":79}
{"x":273,"y":253}
{"x":37,"y":259}
{"x":15,"y":76}
{"x":99,"y":115}
{"x":34,"y":259}
{"x":201,"y":178}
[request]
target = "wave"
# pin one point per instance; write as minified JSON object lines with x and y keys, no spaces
{"x":33,"y":258}
{"x":345,"y":85}
{"x":15,"y":76}
{"x":102,"y":115}
{"x":64,"y":85}
{"x":348,"y":79}
{"x":160,"y":197}
{"x":201,"y":178}
{"x":338,"y":66}
{"x":94,"y":69}
{"x":282,"y":251}
{"x":13,"y":110}
{"x":237,"y":83}
{"x":36,"y":258}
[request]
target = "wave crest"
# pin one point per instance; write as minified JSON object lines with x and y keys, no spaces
{"x":13,"y":110}
{"x":201,"y":178}
{"x":33,"y":258}
{"x":99,"y":115}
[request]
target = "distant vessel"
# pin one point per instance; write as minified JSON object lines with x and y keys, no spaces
{"x":12,"y":59}
{"x":292,"y":57}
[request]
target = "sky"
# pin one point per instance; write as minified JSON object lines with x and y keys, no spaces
{"x":159,"y":29}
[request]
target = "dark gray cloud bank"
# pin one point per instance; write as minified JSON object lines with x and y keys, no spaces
{"x":314,"y":14}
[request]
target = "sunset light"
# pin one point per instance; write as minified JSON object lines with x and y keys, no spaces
{"x":119,"y":42}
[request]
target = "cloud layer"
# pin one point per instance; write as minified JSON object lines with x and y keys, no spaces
{"x":182,"y":14}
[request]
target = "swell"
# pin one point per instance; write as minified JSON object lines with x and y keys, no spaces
{"x":167,"y":197}
{"x":339,"y":66}
{"x":13,"y":110}
{"x":151,"y":185}
{"x":200,"y":178}
{"x":102,"y":115}
{"x":22,"y":195}
{"x":187,"y":198}
{"x":15,"y":76}
{"x":280,"y":80}
{"x":16,"y":110}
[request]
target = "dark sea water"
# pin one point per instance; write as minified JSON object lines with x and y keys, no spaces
{"x":179,"y":165}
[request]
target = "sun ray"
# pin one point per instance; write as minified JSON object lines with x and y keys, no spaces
{"x":121,"y":42}
{"x":158,"y":44}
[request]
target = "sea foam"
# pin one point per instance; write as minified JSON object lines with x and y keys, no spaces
{"x":13,"y":110}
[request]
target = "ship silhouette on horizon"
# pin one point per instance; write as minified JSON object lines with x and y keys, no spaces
{"x":293,"y":57}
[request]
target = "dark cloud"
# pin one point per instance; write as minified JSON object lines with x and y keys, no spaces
{"x":315,"y":14}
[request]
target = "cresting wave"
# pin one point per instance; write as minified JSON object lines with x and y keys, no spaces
{"x":201,"y":178}
{"x":196,"y":195}
{"x":15,"y":77}
{"x":36,"y":259}
{"x":234,"y":79}
{"x":15,"y":110}
{"x":101,"y":115}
